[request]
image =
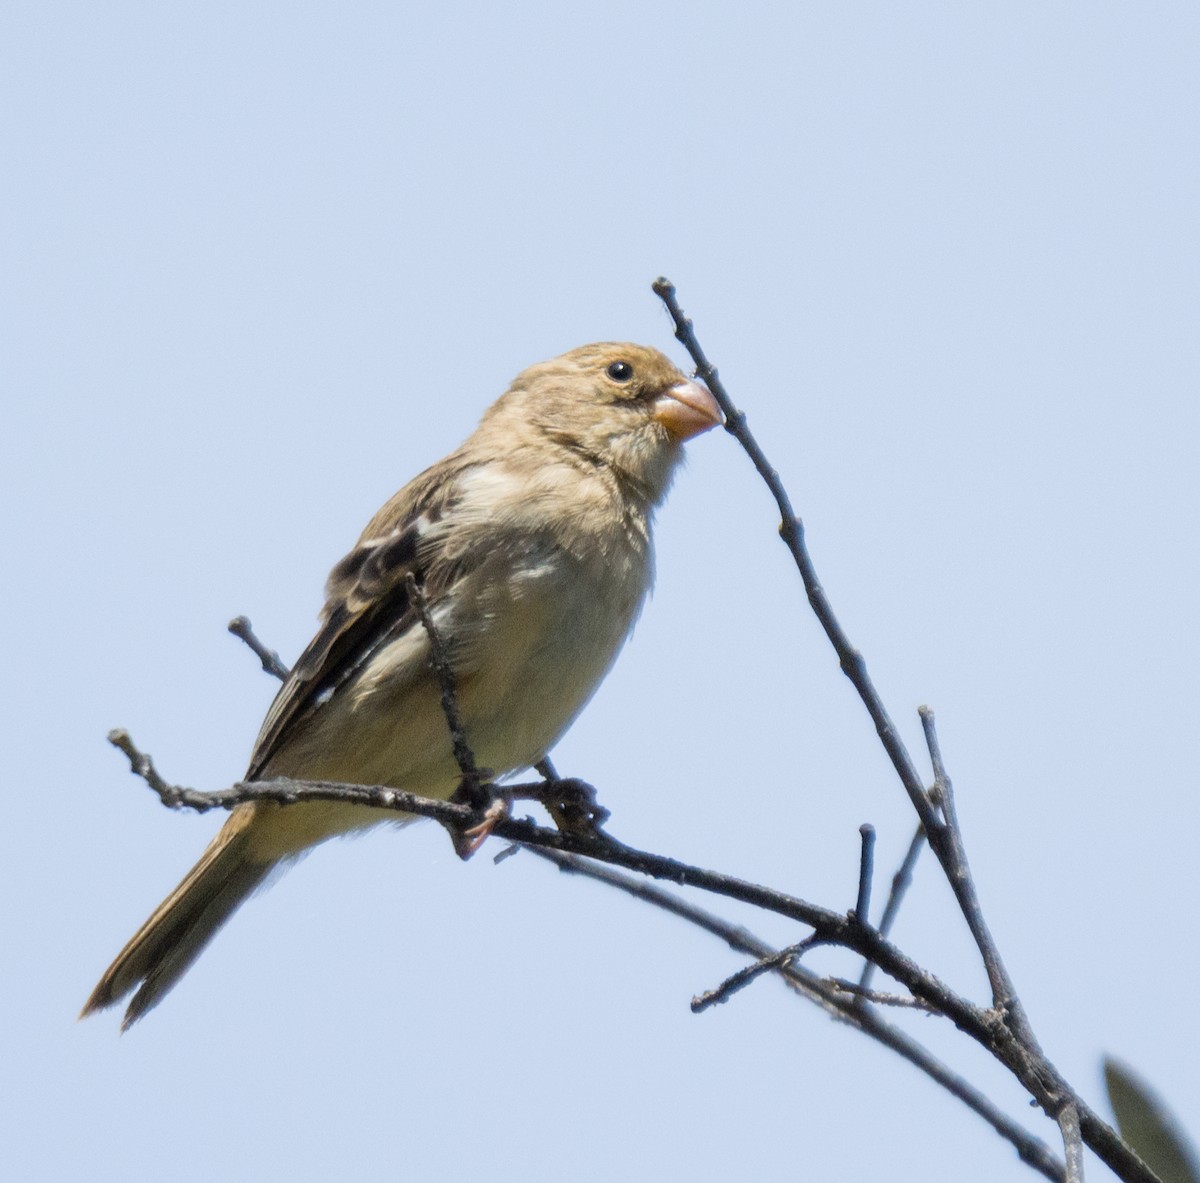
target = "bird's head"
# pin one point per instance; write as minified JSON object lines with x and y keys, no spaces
{"x":616,"y":404}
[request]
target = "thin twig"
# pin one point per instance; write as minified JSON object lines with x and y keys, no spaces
{"x":1030,"y":1149}
{"x":282,"y":791}
{"x":866,"y":870}
{"x":901,"y":881}
{"x":950,"y":854}
{"x":791,"y":529}
{"x":1068,"y":1123}
{"x":900,"y":884}
{"x":463,"y":755}
{"x":845,"y":986}
{"x":829,"y":927}
{"x":242,"y":629}
{"x":949,"y":836}
{"x":1040,"y":1078}
{"x":747,"y":974}
{"x":558,"y":848}
{"x":140,"y":764}
{"x":1045,"y":1083}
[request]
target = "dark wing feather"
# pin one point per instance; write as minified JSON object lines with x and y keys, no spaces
{"x":366,"y":606}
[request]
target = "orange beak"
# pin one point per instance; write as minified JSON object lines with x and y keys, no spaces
{"x":686,"y":410}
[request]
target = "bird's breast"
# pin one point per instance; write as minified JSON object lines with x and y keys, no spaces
{"x":541,"y":641}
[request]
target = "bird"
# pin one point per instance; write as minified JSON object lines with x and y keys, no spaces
{"x":531,"y":545}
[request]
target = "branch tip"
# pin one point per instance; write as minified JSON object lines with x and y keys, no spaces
{"x":747,"y":974}
{"x":241,"y":628}
{"x":866,"y":872}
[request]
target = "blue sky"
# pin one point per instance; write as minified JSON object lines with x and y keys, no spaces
{"x":263,"y":263}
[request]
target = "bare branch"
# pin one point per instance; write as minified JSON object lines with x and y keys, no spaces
{"x":140,"y":764}
{"x":950,"y":854}
{"x":282,"y":791}
{"x":829,"y":927}
{"x":900,"y":884}
{"x":744,"y":976}
{"x":901,"y":881}
{"x":241,"y":628}
{"x":845,"y":986}
{"x":1031,"y":1150}
{"x":1010,"y":1024}
{"x":949,"y":846}
{"x":1068,"y":1122}
{"x":463,"y":755}
{"x":866,"y":870}
{"x":791,"y":529}
{"x":554,"y":846}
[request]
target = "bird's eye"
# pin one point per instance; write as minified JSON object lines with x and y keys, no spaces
{"x":620,"y":371}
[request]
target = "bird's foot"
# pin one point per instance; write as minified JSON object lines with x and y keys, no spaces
{"x":468,"y":841}
{"x":491,"y":809}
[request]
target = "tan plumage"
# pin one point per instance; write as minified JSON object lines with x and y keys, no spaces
{"x":532,"y":543}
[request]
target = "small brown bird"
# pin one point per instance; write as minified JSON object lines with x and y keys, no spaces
{"x":532,"y":544}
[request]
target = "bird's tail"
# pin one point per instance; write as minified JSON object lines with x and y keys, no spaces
{"x":160,"y":952}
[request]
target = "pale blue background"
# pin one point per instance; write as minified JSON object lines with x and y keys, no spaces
{"x":262,"y":263}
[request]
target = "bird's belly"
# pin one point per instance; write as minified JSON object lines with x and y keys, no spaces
{"x":527,"y":659}
{"x":539,"y":662}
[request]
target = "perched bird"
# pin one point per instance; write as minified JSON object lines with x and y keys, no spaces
{"x":531,"y":544}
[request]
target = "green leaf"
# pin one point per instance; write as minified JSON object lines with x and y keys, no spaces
{"x":1148,"y":1127}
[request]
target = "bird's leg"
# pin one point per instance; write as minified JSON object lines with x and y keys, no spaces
{"x":570,"y":802}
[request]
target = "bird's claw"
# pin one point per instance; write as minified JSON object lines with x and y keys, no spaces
{"x":468,"y":841}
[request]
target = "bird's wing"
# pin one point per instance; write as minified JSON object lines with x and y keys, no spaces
{"x":366,"y":604}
